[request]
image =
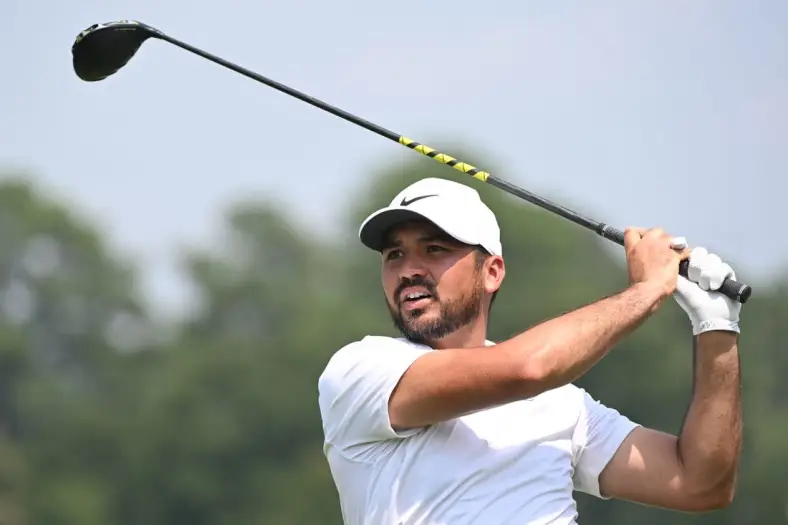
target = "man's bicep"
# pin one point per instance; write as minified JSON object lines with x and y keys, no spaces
{"x":647,"y":470}
{"x":447,"y":384}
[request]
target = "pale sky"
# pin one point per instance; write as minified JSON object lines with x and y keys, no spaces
{"x":649,"y":113}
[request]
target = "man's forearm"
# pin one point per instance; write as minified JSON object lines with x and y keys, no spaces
{"x":710,"y":441}
{"x":565,"y":348}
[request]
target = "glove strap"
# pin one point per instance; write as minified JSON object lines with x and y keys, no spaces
{"x":716,"y":324}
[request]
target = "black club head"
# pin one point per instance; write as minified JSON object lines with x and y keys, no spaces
{"x":102,"y":49}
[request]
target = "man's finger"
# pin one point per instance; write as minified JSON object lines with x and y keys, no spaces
{"x":655,"y":233}
{"x":632,"y":236}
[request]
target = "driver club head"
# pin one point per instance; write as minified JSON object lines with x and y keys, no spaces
{"x":102,"y":49}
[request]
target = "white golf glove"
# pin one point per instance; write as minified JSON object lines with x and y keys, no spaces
{"x":707,"y":309}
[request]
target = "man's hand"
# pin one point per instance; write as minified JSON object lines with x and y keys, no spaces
{"x":653,"y":258}
{"x":707,"y":309}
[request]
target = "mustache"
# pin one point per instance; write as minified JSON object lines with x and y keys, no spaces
{"x":416,"y":281}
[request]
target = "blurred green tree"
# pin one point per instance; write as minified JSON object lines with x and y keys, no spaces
{"x":228,"y":429}
{"x":68,"y":312}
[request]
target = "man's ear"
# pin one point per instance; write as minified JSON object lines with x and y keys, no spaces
{"x":495,"y":271}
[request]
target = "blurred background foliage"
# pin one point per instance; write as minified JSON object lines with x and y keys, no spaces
{"x":109,"y":415}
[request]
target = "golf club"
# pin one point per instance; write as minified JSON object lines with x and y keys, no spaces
{"x":102,"y":49}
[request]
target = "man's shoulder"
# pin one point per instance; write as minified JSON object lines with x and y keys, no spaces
{"x":371,"y":343}
{"x":370,"y":347}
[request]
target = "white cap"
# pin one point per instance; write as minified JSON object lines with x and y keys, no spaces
{"x":455,"y":208}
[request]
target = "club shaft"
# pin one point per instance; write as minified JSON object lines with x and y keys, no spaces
{"x":283,"y":88}
{"x":738,"y":291}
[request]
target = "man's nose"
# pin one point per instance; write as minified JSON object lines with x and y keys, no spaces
{"x":412,"y":266}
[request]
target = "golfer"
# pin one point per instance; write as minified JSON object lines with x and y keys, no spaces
{"x":444,"y":427}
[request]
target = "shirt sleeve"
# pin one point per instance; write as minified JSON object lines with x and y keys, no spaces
{"x":354,"y":391}
{"x":599,"y":433}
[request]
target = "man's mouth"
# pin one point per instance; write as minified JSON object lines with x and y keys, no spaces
{"x":414,"y":300}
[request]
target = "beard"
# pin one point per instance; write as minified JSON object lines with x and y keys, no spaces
{"x":452,"y":315}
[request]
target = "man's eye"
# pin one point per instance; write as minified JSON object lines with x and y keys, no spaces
{"x":435,"y":248}
{"x":393,"y":254}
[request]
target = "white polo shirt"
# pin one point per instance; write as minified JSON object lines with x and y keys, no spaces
{"x":514,"y":464}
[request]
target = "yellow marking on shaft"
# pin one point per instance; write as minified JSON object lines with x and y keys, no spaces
{"x":426,"y":150}
{"x":446,"y":159}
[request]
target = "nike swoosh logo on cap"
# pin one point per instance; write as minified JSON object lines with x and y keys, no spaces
{"x":406,"y":202}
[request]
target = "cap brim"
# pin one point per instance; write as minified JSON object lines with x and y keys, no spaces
{"x":373,"y":232}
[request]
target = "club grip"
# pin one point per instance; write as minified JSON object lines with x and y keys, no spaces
{"x":731,"y":288}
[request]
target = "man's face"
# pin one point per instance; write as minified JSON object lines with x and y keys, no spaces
{"x":433,"y":284}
